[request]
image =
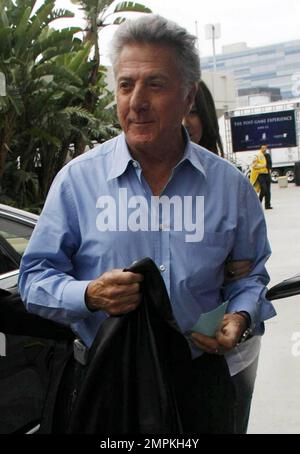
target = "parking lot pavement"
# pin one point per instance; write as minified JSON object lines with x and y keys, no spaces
{"x":276,"y":400}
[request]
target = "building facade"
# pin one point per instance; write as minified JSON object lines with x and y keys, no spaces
{"x":274,"y":66}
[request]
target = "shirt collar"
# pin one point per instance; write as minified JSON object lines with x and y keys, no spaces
{"x":192,"y":153}
{"x":122,"y":157}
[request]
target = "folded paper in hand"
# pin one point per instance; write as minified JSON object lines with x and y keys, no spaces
{"x":209,"y":322}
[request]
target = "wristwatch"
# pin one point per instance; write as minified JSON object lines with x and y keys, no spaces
{"x":245,"y":336}
{"x":248,"y":332}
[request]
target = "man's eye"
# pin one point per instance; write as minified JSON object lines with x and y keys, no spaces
{"x":156,"y":84}
{"x":124,"y":85}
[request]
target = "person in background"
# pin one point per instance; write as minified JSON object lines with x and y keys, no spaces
{"x":202,"y":121}
{"x":72,"y":270}
{"x":202,"y":126}
{"x":260,"y":176}
{"x":269,"y":181}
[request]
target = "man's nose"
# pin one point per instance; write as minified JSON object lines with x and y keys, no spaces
{"x":139,"y":100}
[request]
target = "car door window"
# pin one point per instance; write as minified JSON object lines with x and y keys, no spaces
{"x":15,"y":233}
{"x":6,"y":263}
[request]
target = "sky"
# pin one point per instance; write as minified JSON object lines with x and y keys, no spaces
{"x":256,"y":22}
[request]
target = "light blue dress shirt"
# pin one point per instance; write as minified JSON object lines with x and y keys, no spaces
{"x":70,"y":247}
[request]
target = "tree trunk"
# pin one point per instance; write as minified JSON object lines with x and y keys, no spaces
{"x":5,"y":142}
{"x":90,"y":98}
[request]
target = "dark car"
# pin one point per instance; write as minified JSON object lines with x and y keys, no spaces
{"x":28,"y":343}
{"x":16,"y":227}
{"x":32,"y":349}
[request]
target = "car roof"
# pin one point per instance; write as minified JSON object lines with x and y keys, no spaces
{"x":16,"y":213}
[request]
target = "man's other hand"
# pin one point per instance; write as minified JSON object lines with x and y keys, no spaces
{"x":206,"y":343}
{"x":115,"y":292}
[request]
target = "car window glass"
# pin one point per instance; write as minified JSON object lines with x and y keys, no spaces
{"x":6,"y":264}
{"x":15,"y":233}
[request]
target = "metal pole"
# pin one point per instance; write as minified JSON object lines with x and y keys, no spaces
{"x":214,"y":47}
{"x":197,"y":35}
{"x":297,"y":111}
{"x":197,"y":43}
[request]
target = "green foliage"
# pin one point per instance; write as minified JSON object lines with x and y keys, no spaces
{"x":131,"y":6}
{"x":56,"y":101}
{"x":104,"y":18}
{"x":44,"y":113}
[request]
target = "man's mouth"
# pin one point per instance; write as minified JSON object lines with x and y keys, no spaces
{"x":142,"y":122}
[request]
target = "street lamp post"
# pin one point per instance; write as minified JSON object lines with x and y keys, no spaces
{"x":214,"y":47}
{"x":213,"y":32}
{"x":197,"y":43}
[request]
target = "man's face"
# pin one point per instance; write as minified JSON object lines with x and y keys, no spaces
{"x":150,"y":95}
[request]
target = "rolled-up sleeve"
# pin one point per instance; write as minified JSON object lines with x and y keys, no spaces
{"x":251,"y":243}
{"x":47,"y":282}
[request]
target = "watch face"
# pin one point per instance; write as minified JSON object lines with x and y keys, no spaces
{"x":246,"y":335}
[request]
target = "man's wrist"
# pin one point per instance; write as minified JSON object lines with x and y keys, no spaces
{"x":246,"y":316}
{"x":88,"y":298}
{"x":247,"y":333}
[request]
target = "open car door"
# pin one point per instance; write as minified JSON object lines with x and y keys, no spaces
{"x":286,"y":288}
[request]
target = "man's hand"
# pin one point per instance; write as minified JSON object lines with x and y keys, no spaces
{"x":231,"y":330}
{"x":227,"y":336}
{"x":115,"y":292}
{"x":206,"y":343}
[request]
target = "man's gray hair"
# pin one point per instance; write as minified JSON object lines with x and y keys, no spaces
{"x":154,"y":29}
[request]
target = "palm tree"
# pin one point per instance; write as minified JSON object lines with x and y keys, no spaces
{"x":27,"y":45}
{"x":98,"y":15}
{"x":55,"y":96}
{"x":46,"y":72}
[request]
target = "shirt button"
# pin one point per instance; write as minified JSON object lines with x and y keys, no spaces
{"x":135,"y":164}
{"x":162,"y":268}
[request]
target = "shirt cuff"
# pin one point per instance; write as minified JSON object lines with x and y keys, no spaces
{"x":74,"y":298}
{"x":245,"y":305}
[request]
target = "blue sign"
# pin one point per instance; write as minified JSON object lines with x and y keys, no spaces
{"x":276,"y":129}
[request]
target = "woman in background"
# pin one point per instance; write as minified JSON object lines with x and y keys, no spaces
{"x":202,"y":121}
{"x":203,"y":128}
{"x":260,"y":176}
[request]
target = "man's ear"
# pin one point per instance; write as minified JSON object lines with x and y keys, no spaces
{"x":191,"y":97}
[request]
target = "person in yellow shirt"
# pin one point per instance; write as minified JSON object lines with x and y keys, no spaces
{"x":260,"y":175}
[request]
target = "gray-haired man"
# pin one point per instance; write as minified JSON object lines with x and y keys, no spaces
{"x":106,"y":209}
